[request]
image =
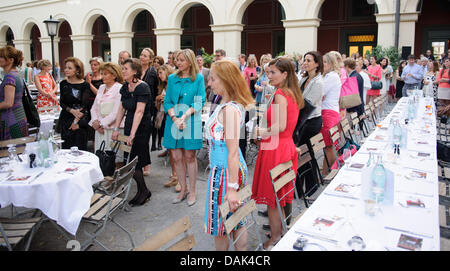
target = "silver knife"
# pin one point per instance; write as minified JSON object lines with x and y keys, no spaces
{"x":35,"y":177}
{"x":410,"y":232}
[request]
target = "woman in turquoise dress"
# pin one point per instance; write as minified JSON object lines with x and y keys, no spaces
{"x":184,"y":100}
{"x":228,"y":169}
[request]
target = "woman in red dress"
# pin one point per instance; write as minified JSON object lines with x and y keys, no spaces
{"x":374,"y":71}
{"x":277,"y":145}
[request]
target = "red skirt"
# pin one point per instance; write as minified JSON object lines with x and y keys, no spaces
{"x":373,"y":92}
{"x":329,"y":119}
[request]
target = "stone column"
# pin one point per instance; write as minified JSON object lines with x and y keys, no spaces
{"x":25,"y":47}
{"x":228,"y":38}
{"x":120,"y":41}
{"x":301,"y":35}
{"x":167,"y":39}
{"x":386,"y":30}
{"x":82,"y":48}
{"x":46,"y":44}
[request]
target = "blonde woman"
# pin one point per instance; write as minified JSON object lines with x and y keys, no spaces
{"x":183,"y":103}
{"x":228,"y":169}
{"x":106,"y":105}
{"x":262,"y":87}
{"x":94,"y":78}
{"x":330,"y":103}
{"x":251,"y":73}
{"x":46,"y":85}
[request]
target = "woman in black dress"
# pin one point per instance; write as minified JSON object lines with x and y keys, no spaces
{"x":400,"y":83}
{"x":75,"y":115}
{"x":94,"y":80}
{"x":136,"y":99}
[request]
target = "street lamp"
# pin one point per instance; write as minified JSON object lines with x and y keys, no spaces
{"x":52,"y":28}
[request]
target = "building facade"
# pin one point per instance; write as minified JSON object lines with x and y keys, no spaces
{"x":106,"y":27}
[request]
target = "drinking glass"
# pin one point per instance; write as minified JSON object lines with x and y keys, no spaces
{"x":346,"y":156}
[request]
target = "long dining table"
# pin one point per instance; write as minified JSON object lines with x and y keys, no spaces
{"x":343,"y":218}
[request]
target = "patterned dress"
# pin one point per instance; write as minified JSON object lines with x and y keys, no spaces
{"x":13,"y":121}
{"x":219,"y":176}
{"x":47,"y":84}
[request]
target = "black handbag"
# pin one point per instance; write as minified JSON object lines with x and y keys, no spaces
{"x":303,"y":115}
{"x":376,"y":85}
{"x":29,"y":107}
{"x":107,"y":159}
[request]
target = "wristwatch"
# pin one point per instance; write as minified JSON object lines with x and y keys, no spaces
{"x":115,"y":129}
{"x":235,"y":186}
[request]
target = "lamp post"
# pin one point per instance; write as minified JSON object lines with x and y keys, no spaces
{"x":52,"y":28}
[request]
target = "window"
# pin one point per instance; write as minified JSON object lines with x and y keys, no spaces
{"x":438,"y":49}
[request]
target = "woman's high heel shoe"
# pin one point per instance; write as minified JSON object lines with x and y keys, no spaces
{"x":142,"y":200}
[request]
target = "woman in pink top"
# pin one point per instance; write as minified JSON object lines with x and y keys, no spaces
{"x":46,"y":86}
{"x":374,"y":71}
{"x":444,"y":83}
{"x":250,"y":73}
{"x":106,"y":104}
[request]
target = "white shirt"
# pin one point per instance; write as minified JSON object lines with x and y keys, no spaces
{"x":331,"y":91}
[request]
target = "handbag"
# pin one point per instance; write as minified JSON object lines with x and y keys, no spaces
{"x":159,"y":119}
{"x":349,"y":97}
{"x":303,"y":115}
{"x":107,"y":159}
{"x":29,"y":107}
{"x":376,"y":85}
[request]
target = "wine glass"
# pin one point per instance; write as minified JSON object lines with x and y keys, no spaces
{"x":346,"y":156}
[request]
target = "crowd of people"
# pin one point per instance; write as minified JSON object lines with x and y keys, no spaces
{"x":152,"y":100}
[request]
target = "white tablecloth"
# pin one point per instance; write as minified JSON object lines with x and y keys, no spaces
{"x":382,"y":231}
{"x":62,"y":197}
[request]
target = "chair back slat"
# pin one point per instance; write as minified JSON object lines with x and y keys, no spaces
{"x":334,"y":134}
{"x":239,"y":215}
{"x":185,"y":244}
{"x":345,"y":126}
{"x":243,"y":194}
{"x":282,"y":181}
{"x":354,"y":115}
{"x":276,"y":171}
{"x":304,"y":156}
{"x":17,"y":141}
{"x":317,"y":142}
{"x":166,"y":235}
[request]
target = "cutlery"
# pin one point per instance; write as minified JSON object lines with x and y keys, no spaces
{"x":341,"y":196}
{"x":35,"y":177}
{"x":75,"y":162}
{"x":335,"y":242}
{"x":409,"y":232}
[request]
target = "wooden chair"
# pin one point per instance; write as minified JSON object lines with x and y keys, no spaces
{"x":104,"y":205}
{"x":169,"y":234}
{"x":281,"y":175}
{"x":357,"y":128}
{"x":303,"y":159}
{"x":444,"y":198}
{"x":18,"y":142}
{"x":336,"y":140}
{"x":45,"y":109}
{"x":14,"y":230}
{"x":247,"y":208}
{"x":346,"y":129}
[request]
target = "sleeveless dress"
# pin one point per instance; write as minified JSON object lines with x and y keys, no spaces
{"x":47,"y":86}
{"x":277,"y":149}
{"x":219,"y":176}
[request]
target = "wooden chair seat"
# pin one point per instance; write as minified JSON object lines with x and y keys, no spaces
{"x":169,"y":234}
{"x":330,"y":175}
{"x":99,"y":205}
{"x":16,"y":229}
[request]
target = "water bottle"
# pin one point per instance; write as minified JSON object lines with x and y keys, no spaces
{"x":397,"y":133}
{"x":370,"y":161}
{"x":378,"y":181}
{"x":410,"y":110}
{"x":43,"y":147}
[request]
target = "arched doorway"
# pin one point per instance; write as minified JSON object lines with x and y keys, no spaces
{"x":197,"y":32}
{"x":144,"y":36}
{"x":347,"y":26}
{"x":263,"y":31}
{"x":65,"y":42}
{"x":9,"y":37}
{"x":101,"y":44}
{"x":36,"y":47}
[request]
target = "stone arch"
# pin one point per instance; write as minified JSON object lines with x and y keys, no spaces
{"x":183,"y":6}
{"x":240,"y":6}
{"x":131,"y":13}
{"x":4,"y":26}
{"x":61,"y":18}
{"x":90,"y":18}
{"x":27,"y":26}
